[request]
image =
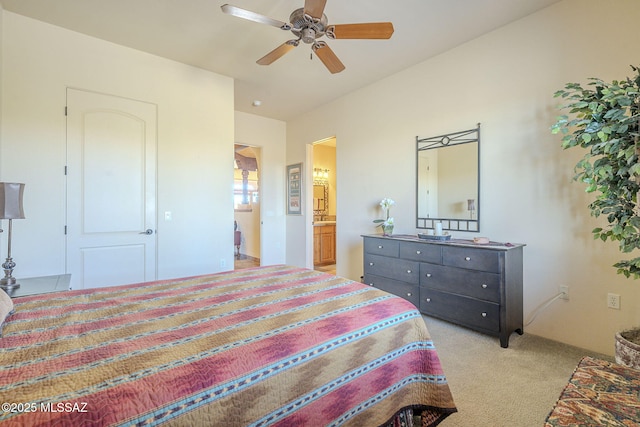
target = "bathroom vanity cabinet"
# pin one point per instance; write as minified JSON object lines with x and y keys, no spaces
{"x":475,"y":285}
{"x":324,"y":244}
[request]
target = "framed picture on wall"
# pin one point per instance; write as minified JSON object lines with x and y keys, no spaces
{"x":294,"y":189}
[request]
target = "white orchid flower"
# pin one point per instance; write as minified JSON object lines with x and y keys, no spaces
{"x":386,"y":203}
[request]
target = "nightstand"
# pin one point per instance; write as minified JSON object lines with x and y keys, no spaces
{"x":41,"y":285}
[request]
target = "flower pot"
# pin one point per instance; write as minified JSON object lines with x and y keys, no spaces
{"x":387,"y":230}
{"x":628,"y":348}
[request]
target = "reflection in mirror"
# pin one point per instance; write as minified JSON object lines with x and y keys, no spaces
{"x":320,"y":198}
{"x":448,"y":181}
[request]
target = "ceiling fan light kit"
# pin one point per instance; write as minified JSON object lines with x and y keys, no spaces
{"x":310,"y":23}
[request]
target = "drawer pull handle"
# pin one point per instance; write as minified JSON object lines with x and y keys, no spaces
{"x":428,"y":274}
{"x":409,"y":271}
{"x":408,"y":294}
{"x":484,"y":314}
{"x":484,"y":286}
{"x":428,"y":299}
{"x":418,"y":252}
{"x":467,"y":258}
{"x":379,"y":246}
{"x":371,"y":264}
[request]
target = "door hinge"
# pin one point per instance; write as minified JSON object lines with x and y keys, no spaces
{"x":66,"y":111}
{"x":65,"y":170}
{"x":65,"y":230}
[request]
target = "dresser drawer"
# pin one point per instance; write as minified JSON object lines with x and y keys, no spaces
{"x":384,"y":247}
{"x":393,"y":268}
{"x":402,"y":289}
{"x":473,"y":259}
{"x":477,"y":284}
{"x":464,"y":310}
{"x":421,"y":252}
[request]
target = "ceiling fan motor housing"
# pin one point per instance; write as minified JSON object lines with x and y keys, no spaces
{"x":307,"y":28}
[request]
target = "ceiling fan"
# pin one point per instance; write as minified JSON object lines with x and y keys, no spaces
{"x":309,"y":24}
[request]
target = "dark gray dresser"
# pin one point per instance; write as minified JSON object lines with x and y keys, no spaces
{"x":475,"y":285}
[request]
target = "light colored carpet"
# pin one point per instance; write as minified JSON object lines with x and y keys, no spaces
{"x":502,"y":387}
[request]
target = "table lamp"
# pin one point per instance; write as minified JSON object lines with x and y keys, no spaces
{"x":10,"y":208}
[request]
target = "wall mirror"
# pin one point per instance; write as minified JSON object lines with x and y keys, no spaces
{"x":448,"y":181}
{"x":320,"y":198}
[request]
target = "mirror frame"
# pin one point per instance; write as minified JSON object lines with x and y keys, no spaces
{"x":443,"y":141}
{"x":325,"y":185}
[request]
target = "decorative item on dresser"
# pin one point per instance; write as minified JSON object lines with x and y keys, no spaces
{"x":387,"y":223}
{"x":477,"y":285}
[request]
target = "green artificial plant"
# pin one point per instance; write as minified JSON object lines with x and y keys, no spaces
{"x":604,"y":119}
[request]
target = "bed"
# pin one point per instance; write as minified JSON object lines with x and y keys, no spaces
{"x":274,"y":345}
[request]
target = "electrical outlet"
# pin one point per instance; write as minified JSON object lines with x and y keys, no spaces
{"x":613,"y":301}
{"x":564,"y":290}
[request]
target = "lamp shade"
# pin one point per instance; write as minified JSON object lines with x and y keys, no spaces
{"x":471,"y":204}
{"x":11,"y":200}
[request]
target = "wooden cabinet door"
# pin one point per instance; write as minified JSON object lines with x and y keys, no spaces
{"x":328,"y":248}
{"x":324,"y":244}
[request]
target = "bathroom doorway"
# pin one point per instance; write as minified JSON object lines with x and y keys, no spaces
{"x":324,"y":205}
{"x":246,"y":205}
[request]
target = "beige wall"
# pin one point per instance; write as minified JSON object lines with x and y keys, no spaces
{"x":195,"y":143}
{"x":505,"y":80}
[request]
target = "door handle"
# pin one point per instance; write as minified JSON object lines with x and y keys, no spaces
{"x":148,"y":231}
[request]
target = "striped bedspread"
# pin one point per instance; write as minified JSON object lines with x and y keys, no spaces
{"x":271,"y":345}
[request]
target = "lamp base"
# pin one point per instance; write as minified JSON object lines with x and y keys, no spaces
{"x":9,"y":283}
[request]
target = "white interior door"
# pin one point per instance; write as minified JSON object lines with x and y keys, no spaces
{"x":111,"y":190}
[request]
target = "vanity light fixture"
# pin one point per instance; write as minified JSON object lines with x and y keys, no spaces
{"x":320,"y":174}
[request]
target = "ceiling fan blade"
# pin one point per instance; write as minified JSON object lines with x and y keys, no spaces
{"x":371,"y":30}
{"x":328,"y":58}
{"x":314,"y":8}
{"x":252,"y":16}
{"x":277,"y":53}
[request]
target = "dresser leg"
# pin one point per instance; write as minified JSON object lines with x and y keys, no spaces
{"x":504,"y":341}
{"x":504,"y":338}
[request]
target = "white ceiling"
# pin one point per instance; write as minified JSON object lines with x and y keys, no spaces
{"x":196,"y":32}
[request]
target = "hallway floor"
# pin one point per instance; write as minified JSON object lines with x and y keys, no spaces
{"x":245,"y":262}
{"x":248,"y":262}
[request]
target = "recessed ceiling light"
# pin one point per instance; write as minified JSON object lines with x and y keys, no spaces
{"x":256,"y":103}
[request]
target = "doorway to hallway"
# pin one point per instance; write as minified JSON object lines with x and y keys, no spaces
{"x":246,"y":204}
